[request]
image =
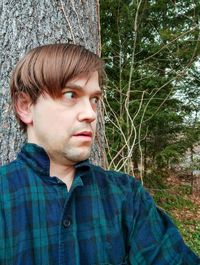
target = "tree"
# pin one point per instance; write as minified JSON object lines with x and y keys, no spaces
{"x":26,"y":24}
{"x":150,"y":48}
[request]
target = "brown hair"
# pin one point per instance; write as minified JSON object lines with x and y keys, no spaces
{"x":48,"y":68}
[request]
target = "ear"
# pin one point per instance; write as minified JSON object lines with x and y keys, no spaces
{"x":23,"y":108}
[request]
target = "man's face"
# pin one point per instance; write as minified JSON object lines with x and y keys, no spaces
{"x":65,"y":127}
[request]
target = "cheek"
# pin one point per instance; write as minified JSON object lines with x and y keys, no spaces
{"x":94,"y":124}
{"x":54,"y":120}
{"x":62,"y":123}
{"x":45,"y":121}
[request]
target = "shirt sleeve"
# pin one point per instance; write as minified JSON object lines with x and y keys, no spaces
{"x":153,"y":238}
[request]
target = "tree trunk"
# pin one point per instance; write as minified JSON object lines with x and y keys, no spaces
{"x":196,"y":182}
{"x":26,"y":24}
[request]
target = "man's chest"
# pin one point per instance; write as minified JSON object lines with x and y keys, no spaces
{"x":53,"y":227}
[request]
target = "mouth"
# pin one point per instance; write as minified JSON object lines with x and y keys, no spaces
{"x":85,"y":135}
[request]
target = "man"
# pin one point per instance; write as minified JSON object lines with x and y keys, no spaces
{"x":56,"y":208}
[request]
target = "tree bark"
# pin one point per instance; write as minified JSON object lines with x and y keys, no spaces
{"x":26,"y":24}
{"x":196,"y":182}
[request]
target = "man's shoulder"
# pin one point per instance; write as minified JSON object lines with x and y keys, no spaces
{"x":116,"y":179}
{"x":9,"y":171}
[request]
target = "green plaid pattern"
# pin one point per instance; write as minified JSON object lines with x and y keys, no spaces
{"x":106,"y":218}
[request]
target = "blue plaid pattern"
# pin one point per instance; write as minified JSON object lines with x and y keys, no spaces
{"x":106,"y":218}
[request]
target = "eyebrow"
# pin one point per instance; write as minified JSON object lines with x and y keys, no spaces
{"x":76,"y":87}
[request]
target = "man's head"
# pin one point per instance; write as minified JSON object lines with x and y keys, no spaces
{"x":55,"y":90}
{"x":48,"y":68}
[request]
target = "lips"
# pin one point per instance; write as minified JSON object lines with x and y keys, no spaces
{"x":84,"y":134}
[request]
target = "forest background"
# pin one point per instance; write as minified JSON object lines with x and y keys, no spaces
{"x":152,"y":97}
{"x":152,"y":101}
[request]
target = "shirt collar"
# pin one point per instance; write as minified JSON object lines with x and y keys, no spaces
{"x":37,"y":158}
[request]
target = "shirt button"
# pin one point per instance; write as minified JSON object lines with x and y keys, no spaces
{"x":67,"y":222}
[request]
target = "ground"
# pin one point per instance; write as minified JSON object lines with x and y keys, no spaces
{"x":176,"y":198}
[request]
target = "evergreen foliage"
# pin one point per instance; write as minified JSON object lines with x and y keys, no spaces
{"x":151,"y":49}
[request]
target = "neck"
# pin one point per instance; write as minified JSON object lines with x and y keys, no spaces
{"x":63,"y":172}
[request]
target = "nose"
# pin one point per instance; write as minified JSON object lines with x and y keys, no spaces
{"x":87,"y":113}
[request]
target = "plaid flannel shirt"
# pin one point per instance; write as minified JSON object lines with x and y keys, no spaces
{"x":106,"y":218}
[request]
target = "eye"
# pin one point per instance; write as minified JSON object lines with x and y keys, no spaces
{"x":69,"y":95}
{"x":94,"y":100}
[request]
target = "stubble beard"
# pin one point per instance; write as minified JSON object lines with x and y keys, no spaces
{"x":76,"y":154}
{"x":71,"y":154}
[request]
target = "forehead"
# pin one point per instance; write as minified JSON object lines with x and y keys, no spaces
{"x":85,"y":82}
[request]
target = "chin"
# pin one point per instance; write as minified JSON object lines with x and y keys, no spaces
{"x":77,"y":156}
{"x":82,"y":157}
